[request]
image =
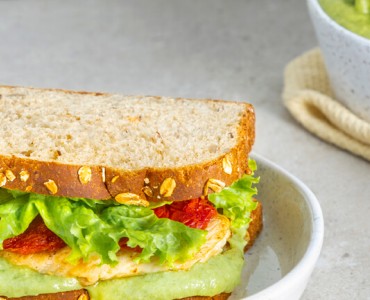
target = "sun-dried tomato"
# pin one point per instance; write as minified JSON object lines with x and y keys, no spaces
{"x":37,"y":238}
{"x":123,"y":244}
{"x":195,"y":213}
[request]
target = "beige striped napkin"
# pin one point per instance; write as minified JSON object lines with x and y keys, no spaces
{"x":308,"y":97}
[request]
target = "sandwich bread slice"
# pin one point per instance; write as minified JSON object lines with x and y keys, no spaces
{"x":105,"y":196}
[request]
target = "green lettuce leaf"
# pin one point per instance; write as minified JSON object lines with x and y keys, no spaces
{"x":236,"y":201}
{"x":15,"y":214}
{"x":95,"y":227}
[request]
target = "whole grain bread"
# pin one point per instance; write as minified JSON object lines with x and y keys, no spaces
{"x":98,"y":145}
{"x":254,"y":229}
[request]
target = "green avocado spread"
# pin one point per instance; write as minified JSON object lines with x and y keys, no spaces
{"x":17,"y":281}
{"x":219,"y":274}
{"x":345,"y":13}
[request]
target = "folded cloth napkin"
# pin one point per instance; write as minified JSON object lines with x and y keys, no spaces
{"x":308,"y":97}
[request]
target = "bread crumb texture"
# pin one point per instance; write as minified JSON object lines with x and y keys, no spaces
{"x":113,"y":130}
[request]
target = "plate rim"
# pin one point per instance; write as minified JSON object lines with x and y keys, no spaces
{"x":312,"y":253}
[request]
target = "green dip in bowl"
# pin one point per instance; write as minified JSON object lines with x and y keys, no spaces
{"x":348,"y":15}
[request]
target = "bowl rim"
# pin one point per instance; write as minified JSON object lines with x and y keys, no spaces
{"x":305,"y":266}
{"x":315,"y":5}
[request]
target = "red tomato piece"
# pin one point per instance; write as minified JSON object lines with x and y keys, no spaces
{"x":37,"y":238}
{"x":195,"y":213}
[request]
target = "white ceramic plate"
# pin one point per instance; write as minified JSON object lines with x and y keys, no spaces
{"x":280,"y":263}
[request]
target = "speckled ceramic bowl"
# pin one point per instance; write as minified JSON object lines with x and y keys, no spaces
{"x":280,"y":263}
{"x":347,"y":59}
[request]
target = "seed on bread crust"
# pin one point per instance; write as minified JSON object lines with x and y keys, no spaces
{"x":9,"y":175}
{"x":167,"y":187}
{"x":84,"y":174}
{"x":131,"y":199}
{"x":216,"y":185}
{"x":28,"y":188}
{"x":147,"y":191}
{"x":114,"y":179}
{"x":103,"y":174}
{"x":51,"y":186}
{"x":82,"y":297}
{"x":213,"y":184}
{"x":24,"y":175}
{"x":226,"y":165}
{"x":2,"y":179}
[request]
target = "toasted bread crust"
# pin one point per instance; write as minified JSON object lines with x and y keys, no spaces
{"x":72,"y":295}
{"x":255,"y":226}
{"x":254,"y":229}
{"x":106,"y":181}
{"x":190,"y":180}
{"x":222,"y":296}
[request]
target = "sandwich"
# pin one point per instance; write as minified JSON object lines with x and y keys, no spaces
{"x":105,"y":196}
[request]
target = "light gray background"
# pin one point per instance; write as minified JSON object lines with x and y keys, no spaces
{"x":233,"y":50}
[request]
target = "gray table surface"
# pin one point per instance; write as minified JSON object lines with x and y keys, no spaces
{"x":233,"y":50}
